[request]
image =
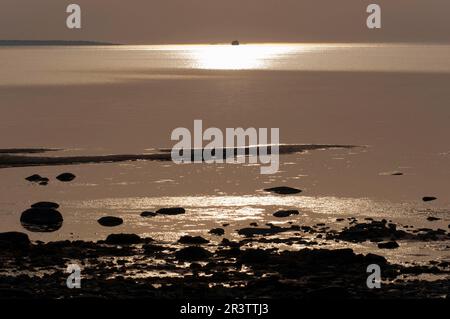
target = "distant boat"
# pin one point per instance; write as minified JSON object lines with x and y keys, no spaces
{"x":235,"y":42}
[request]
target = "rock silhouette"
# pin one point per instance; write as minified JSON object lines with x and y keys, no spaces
{"x":171,"y":211}
{"x":15,"y":240}
{"x":110,"y":221}
{"x":192,"y":253}
{"x":41,"y":219}
{"x":388,"y":245}
{"x":66,"y":177}
{"x":36,"y":178}
{"x":283,"y":190}
{"x":123,"y":239}
{"x":193,"y":240}
{"x":148,"y":214}
{"x":217,"y":231}
{"x":285,"y":213}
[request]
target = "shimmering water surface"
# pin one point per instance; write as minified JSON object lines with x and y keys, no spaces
{"x":82,"y":65}
{"x":391,"y":99}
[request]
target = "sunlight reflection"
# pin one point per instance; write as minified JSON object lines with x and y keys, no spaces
{"x":243,"y":57}
{"x":211,"y":207}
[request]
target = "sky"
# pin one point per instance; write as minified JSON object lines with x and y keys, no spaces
{"x":215,"y":21}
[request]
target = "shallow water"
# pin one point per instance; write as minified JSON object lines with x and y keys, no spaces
{"x":393,"y":99}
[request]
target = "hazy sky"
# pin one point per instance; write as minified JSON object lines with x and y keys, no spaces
{"x":205,"y":21}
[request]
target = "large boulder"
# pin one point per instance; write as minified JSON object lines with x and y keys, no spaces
{"x":41,"y":219}
{"x":110,"y":221}
{"x":13,"y":240}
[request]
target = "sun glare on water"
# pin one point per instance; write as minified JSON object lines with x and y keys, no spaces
{"x":242,"y":57}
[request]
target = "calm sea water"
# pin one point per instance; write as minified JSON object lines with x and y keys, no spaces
{"x":391,"y":99}
{"x":82,"y":65}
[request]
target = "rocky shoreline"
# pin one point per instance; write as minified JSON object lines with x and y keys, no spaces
{"x":128,"y":266}
{"x":285,"y":259}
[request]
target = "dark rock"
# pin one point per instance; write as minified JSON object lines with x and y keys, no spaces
{"x":148,"y":214}
{"x":254,"y":256}
{"x":193,"y":240}
{"x":375,"y":230}
{"x":432,"y":219}
{"x":388,"y":245}
{"x":235,"y":42}
{"x":229,"y":243}
{"x":48,"y":205}
{"x":192,"y":253}
{"x":41,"y":219}
{"x":151,"y":248}
{"x":254,"y":224}
{"x":283,"y":190}
{"x":217,"y":231}
{"x":36,"y":178}
{"x":397,"y":174}
{"x":123,"y":239}
{"x":66,"y":177}
{"x":285,"y":213}
{"x":171,"y":211}
{"x":14,"y":240}
{"x":428,"y":198}
{"x":43,"y":183}
{"x":110,"y":221}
